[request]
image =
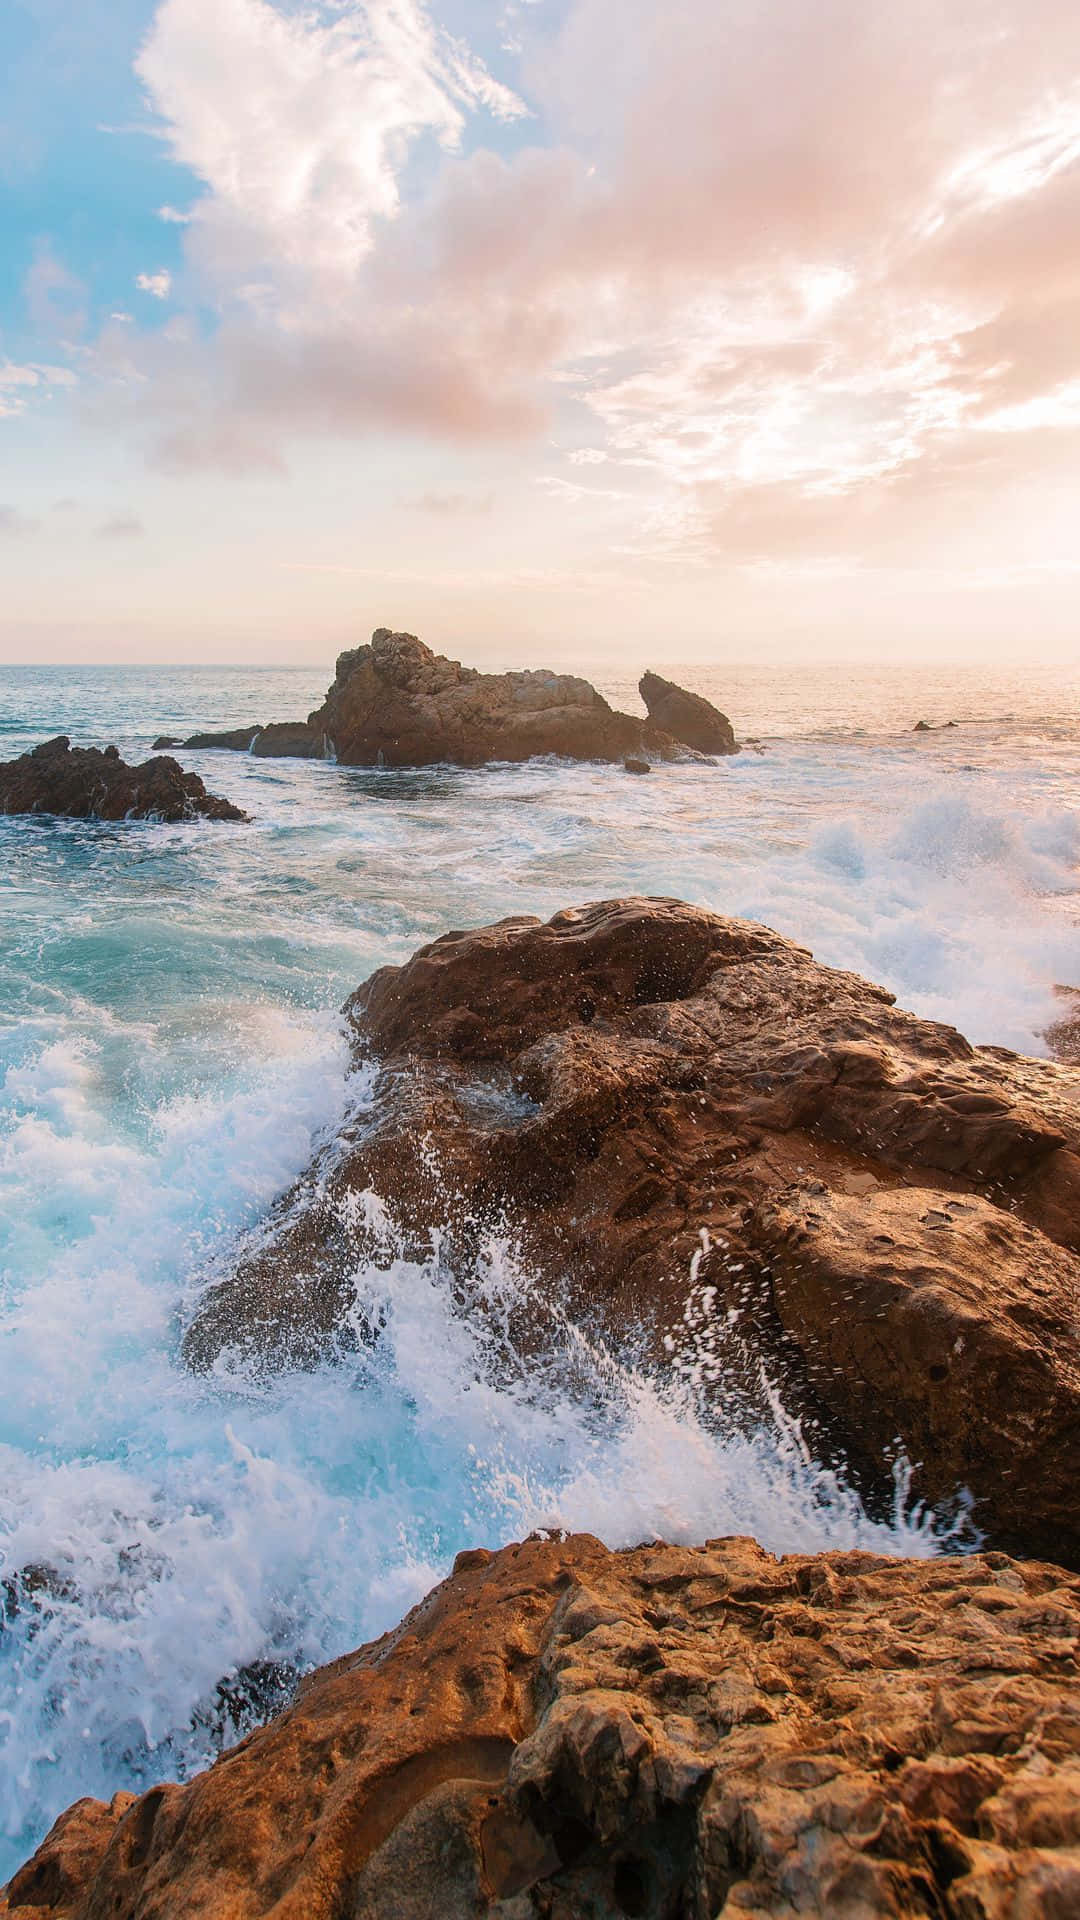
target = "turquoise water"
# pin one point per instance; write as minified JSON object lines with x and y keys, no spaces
{"x":170,"y":1050}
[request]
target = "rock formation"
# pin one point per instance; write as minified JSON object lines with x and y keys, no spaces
{"x":395,"y":703}
{"x":84,"y":783}
{"x":692,"y":719}
{"x":886,"y":1217}
{"x":563,"y":1733}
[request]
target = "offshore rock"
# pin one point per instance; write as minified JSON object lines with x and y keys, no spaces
{"x":691,"y":718}
{"x":395,"y":703}
{"x":84,"y":783}
{"x":562,"y":1733}
{"x":708,"y":1147}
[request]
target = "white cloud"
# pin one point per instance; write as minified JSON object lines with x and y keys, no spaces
{"x":173,"y":217}
{"x":779,"y":269}
{"x":299,"y":122}
{"x":158,"y":284}
{"x":17,"y":383}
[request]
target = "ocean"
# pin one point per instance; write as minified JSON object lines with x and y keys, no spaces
{"x":170,"y":1049}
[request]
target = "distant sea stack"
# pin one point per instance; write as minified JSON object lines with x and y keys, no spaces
{"x":692,"y":719}
{"x":85,"y":783}
{"x":395,"y":703}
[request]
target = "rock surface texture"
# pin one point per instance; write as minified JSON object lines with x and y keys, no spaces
{"x":395,"y":703}
{"x":691,"y":719}
{"x":563,"y":1733}
{"x":84,"y":783}
{"x":703,"y":1142}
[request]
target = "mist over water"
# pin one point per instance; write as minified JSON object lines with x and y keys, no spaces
{"x":170,"y":1049}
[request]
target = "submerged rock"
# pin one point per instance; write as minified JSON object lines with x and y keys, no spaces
{"x":395,"y":703}
{"x":559,"y":1732}
{"x":630,"y":765}
{"x":705,"y":1143}
{"x":691,"y":718}
{"x":85,"y":783}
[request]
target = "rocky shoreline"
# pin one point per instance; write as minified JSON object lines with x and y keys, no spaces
{"x":563,"y":1733}
{"x":395,"y":703}
{"x":760,"y":1172}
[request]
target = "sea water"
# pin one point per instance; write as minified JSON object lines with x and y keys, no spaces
{"x":170,"y":1051}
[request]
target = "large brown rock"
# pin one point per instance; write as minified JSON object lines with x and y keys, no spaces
{"x":689,"y":716}
{"x":84,"y":783}
{"x":700,"y":1139}
{"x":394,"y":703}
{"x":563,"y":1733}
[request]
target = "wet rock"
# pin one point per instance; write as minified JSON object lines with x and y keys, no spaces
{"x":631,"y":765}
{"x":234,"y":740}
{"x":248,"y":1697}
{"x":165,"y":743}
{"x":691,"y":718}
{"x":84,"y":783}
{"x":30,"y":1596}
{"x":558,"y":1732}
{"x":923,"y":726}
{"x":653,"y":1102}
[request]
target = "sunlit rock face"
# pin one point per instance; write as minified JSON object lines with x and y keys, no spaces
{"x":559,"y":1731}
{"x":728,"y":1160}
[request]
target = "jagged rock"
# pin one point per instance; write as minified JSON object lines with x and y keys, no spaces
{"x":562,"y":1733}
{"x":395,"y":703}
{"x":691,"y":718}
{"x":84,"y":783}
{"x":616,"y":1083}
{"x":923,"y":726}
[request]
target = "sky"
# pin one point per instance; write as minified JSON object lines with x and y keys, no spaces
{"x":551,"y":330}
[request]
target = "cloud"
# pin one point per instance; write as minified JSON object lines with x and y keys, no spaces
{"x":299,"y":123}
{"x":124,"y":527}
{"x":158,"y":284}
{"x":18,"y":384}
{"x":800,"y":273}
{"x":173,"y":216}
{"x":14,"y":522}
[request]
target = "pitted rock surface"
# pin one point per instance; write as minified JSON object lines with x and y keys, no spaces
{"x":563,"y":1733}
{"x":891,"y":1216}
